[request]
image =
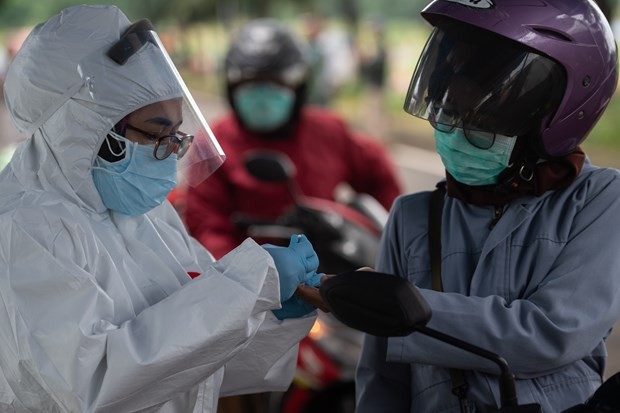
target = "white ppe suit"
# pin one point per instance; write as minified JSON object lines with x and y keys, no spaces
{"x":97,"y":311}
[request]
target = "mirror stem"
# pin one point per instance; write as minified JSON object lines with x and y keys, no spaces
{"x":508,"y":393}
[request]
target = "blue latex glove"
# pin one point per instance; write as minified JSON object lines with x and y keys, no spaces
{"x":294,"y":307}
{"x":296,"y":264}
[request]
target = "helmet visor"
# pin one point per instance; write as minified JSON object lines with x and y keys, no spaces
{"x":473,"y":79}
{"x":137,"y":72}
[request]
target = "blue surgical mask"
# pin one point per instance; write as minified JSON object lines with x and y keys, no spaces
{"x":471,"y":165}
{"x":138,"y":182}
{"x":263,"y":107}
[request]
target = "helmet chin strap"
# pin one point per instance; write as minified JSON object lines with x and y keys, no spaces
{"x":521,"y":171}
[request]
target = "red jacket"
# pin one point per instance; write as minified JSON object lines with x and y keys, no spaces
{"x":325,"y":153}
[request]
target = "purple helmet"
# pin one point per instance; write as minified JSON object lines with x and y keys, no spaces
{"x":543,"y":68}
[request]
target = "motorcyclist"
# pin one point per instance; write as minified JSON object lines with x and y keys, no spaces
{"x":106,"y":303}
{"x":266,"y":71}
{"x":529,"y":260}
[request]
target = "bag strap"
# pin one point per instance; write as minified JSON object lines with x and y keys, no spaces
{"x":459,"y":385}
{"x":434,"y":234}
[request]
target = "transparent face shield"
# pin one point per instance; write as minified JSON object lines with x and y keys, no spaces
{"x":137,"y":78}
{"x":472,"y":79}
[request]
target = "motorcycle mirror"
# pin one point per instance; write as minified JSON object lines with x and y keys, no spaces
{"x":385,"y":305}
{"x":376,"y":303}
{"x":270,"y":166}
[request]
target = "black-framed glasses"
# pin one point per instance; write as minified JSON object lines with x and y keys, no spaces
{"x":166,"y":145}
{"x":446,"y":120}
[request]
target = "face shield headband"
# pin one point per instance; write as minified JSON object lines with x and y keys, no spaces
{"x":139,"y":72}
{"x":472,"y":79}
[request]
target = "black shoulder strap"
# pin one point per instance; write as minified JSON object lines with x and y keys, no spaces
{"x":459,"y":385}
{"x":434,"y":234}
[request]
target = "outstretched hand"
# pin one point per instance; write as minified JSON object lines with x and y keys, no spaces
{"x":312,"y":296}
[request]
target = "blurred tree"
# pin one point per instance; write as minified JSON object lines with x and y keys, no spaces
{"x":190,"y":11}
{"x":15,"y":13}
{"x":398,"y":9}
{"x":182,"y":12}
{"x":351,"y":13}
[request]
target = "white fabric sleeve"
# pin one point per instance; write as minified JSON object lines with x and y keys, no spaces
{"x":269,"y":362}
{"x":59,"y":343}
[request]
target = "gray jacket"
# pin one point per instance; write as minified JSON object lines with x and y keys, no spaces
{"x":541,"y":288}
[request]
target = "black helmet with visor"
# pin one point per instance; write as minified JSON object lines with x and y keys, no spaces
{"x":265,"y":50}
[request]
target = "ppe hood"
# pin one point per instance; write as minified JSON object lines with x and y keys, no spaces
{"x":65,"y":93}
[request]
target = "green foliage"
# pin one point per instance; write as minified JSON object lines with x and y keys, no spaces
{"x":16,"y":13}
{"x":402,"y":9}
{"x":603,"y":143}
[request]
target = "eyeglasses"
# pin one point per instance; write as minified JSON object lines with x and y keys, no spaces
{"x":446,"y":120}
{"x":166,"y":145}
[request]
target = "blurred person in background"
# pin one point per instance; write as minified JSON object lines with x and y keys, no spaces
{"x":373,"y":72}
{"x":106,"y":302}
{"x":9,"y":49}
{"x":319,"y":90}
{"x":266,"y":77}
{"x":331,"y":58}
{"x":9,"y":138}
{"x":373,"y":57}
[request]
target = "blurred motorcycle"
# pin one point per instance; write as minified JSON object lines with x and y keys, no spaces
{"x":345,"y":236}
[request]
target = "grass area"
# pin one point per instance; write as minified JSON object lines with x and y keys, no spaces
{"x":603,"y":144}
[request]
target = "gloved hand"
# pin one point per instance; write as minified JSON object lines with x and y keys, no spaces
{"x":294,"y":307}
{"x":297,"y":306}
{"x":296,"y":264}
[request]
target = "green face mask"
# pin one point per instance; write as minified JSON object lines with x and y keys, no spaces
{"x":263,"y":107}
{"x":470,"y":165}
